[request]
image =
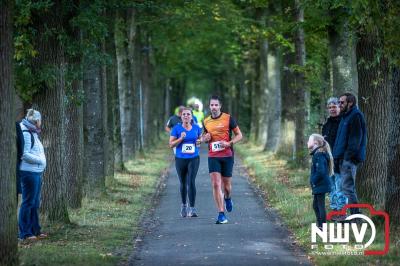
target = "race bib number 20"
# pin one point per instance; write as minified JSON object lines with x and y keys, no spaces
{"x":188,"y":148}
{"x":216,"y":146}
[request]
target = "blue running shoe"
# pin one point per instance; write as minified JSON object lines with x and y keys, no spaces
{"x":192,"y":212}
{"x":221,"y":219}
{"x":184,"y":210}
{"x":228,"y":205}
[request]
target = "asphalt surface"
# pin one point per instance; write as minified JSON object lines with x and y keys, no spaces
{"x":254,"y":234}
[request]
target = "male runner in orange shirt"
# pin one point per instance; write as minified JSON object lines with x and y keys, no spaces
{"x":218,"y":128}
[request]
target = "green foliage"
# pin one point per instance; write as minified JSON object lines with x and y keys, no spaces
{"x":199,"y":36}
{"x":363,"y":16}
{"x":32,"y":29}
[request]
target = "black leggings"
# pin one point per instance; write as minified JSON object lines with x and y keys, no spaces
{"x":187,"y":171}
{"x":319,"y":208}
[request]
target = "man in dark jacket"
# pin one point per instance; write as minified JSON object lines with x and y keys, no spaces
{"x":350,"y":145}
{"x":337,"y":198}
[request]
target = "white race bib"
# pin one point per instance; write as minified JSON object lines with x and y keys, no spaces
{"x":188,"y":148}
{"x":216,"y":146}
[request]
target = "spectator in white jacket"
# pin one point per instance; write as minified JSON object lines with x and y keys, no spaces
{"x":31,"y":169}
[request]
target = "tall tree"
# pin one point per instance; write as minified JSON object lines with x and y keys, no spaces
{"x":112,"y":87}
{"x":342,"y":53}
{"x":134,"y":54}
{"x":49,"y":65}
{"x":126,"y":85}
{"x":274,"y":101}
{"x":255,"y":100}
{"x":301,"y":113}
{"x":264,"y":91}
{"x":374,"y":87}
{"x":286,"y":145}
{"x":146,"y":87}
{"x":274,"y":84}
{"x":73,"y":163}
{"x":104,"y":113}
{"x":8,"y":203}
{"x":393,"y":184}
{"x":94,"y":129}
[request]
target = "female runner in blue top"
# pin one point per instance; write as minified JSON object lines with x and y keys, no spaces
{"x":186,"y":138}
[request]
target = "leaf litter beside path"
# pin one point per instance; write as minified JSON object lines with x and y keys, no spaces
{"x":101,"y":231}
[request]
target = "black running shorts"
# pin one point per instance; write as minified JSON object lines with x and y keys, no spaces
{"x":223,"y":165}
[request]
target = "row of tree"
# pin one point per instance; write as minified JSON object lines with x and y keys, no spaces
{"x":106,"y":75}
{"x":276,"y":62}
{"x":86,"y":66}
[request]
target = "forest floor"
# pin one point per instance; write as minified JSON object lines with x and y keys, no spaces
{"x":101,"y":231}
{"x":286,"y":189}
{"x":254,"y":234}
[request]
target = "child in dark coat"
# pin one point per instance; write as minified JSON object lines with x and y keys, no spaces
{"x":321,"y":170}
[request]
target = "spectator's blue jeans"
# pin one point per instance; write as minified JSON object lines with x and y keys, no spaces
{"x":348,"y":173}
{"x":337,"y":197}
{"x":28,"y":220}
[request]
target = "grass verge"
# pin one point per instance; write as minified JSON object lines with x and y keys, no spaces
{"x":287,"y":190}
{"x":101,"y":232}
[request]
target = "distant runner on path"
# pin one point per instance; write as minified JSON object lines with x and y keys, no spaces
{"x":174,"y":120}
{"x":185,"y":138}
{"x":218,"y":129}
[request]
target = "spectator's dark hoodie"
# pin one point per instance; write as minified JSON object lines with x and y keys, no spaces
{"x":351,"y":138}
{"x":330,"y":128}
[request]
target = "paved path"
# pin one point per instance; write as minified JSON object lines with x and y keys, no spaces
{"x":252,"y":237}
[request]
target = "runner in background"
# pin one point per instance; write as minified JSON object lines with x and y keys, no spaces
{"x":218,"y":129}
{"x":198,"y":114}
{"x":175,"y":119}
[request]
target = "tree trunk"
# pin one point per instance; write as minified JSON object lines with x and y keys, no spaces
{"x":301,"y":108}
{"x":125,"y":89}
{"x":287,"y":142}
{"x":146,"y":89}
{"x":157,"y":92}
{"x":73,"y":165}
{"x":374,"y":88}
{"x":119,"y":163}
{"x":50,"y":102}
{"x":94,"y":130}
{"x":244,"y":103}
{"x":167,"y":100}
{"x":104,"y":115}
{"x":134,"y":53}
{"x":393,"y":184}
{"x":341,"y":53}
{"x":274,"y":102}
{"x":117,"y":135}
{"x":265,"y":93}
{"x":112,"y":86}
{"x":255,"y":102}
{"x":8,"y":190}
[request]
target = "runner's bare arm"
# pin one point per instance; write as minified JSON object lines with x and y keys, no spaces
{"x":238,"y":136}
{"x":173,"y":141}
{"x":205,"y":137}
